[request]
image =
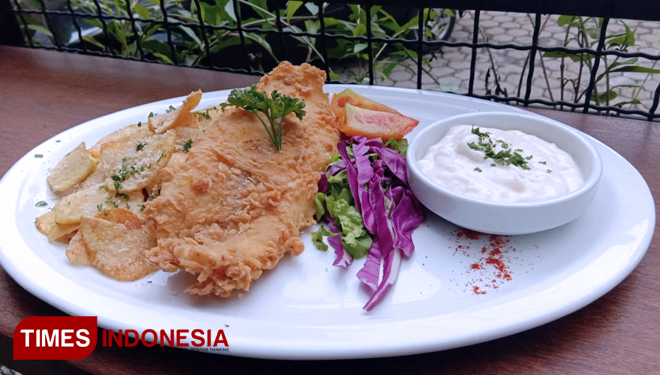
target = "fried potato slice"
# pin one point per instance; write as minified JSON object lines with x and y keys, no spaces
{"x":126,"y":134}
{"x":45,"y":222}
{"x":77,"y":251}
{"x":132,"y":166}
{"x":72,"y":169}
{"x":122,"y":216}
{"x":179,"y":117}
{"x":92,"y":201}
{"x":56,"y":232}
{"x":117,"y":251}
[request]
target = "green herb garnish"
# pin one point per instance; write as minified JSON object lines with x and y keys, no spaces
{"x":478,"y":169}
{"x":170,"y":109}
{"x":41,"y":204}
{"x":123,"y":196}
{"x":140,"y":146}
{"x":123,"y":174}
{"x":273,"y":109}
{"x":187,"y":145}
{"x":503,"y":157}
{"x":110,"y":201}
{"x":38,"y":155}
{"x":205,"y":114}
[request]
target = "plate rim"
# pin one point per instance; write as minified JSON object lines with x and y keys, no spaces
{"x":33,"y":287}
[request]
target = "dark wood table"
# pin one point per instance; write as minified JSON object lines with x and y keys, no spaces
{"x":43,"y":93}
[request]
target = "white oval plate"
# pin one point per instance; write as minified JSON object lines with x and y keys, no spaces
{"x":307,"y":309}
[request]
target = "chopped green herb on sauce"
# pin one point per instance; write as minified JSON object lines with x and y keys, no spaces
{"x":502,"y":157}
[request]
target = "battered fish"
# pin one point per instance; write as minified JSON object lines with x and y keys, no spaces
{"x":234,"y":205}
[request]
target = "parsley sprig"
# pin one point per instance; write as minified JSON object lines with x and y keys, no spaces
{"x":502,"y":157}
{"x":272,"y":109}
{"x":122,"y":175}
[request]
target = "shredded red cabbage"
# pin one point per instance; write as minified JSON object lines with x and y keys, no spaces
{"x":377,"y":177}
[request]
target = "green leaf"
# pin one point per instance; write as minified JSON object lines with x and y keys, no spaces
{"x":312,"y":26}
{"x":317,"y":237}
{"x":156,"y":46}
{"x":191,"y":34}
{"x":225,"y":43}
{"x":355,"y":238}
{"x":92,"y":41}
{"x":593,"y":32}
{"x":40,"y":29}
{"x":360,"y":47}
{"x":360,"y":30}
{"x":635,"y":69}
{"x":629,"y":102}
{"x":291,"y":8}
{"x":163,"y":57}
{"x":359,"y":246}
{"x":312,"y":8}
{"x":606,"y":96}
{"x":229,"y":11}
{"x":319,"y":199}
{"x":141,"y":11}
{"x":623,"y":62}
{"x":398,"y":145}
{"x":565,"y":20}
{"x":36,"y":4}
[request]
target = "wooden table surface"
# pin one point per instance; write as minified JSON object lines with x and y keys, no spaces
{"x":43,"y":93}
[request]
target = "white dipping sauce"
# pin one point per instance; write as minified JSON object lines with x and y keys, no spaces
{"x":455,"y":165}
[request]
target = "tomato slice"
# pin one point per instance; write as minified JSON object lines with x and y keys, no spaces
{"x":376,"y":124}
{"x":358,"y":115}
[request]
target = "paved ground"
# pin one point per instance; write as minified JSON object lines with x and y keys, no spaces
{"x":451,"y":66}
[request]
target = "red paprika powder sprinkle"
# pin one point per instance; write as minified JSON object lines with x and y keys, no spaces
{"x":491,"y":265}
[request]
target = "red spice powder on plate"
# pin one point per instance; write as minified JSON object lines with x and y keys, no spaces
{"x":491,"y":267}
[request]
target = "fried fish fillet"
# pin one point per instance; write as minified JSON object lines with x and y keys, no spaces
{"x":235,"y":205}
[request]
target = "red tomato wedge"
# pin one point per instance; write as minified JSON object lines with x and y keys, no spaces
{"x":358,"y":115}
{"x":376,"y":124}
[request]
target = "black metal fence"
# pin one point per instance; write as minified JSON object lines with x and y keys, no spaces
{"x":600,"y":65}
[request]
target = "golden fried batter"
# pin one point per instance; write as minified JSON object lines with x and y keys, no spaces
{"x":235,"y":205}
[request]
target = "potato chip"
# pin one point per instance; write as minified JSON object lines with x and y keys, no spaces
{"x":133,"y":166}
{"x":56,"y":232}
{"x":97,"y":178}
{"x":185,"y":137}
{"x":121,"y":216}
{"x":92,"y":201}
{"x":117,"y":251}
{"x":72,"y":169}
{"x":77,"y":251}
{"x":176,"y":117}
{"x":45,"y":222}
{"x":131,"y":132}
